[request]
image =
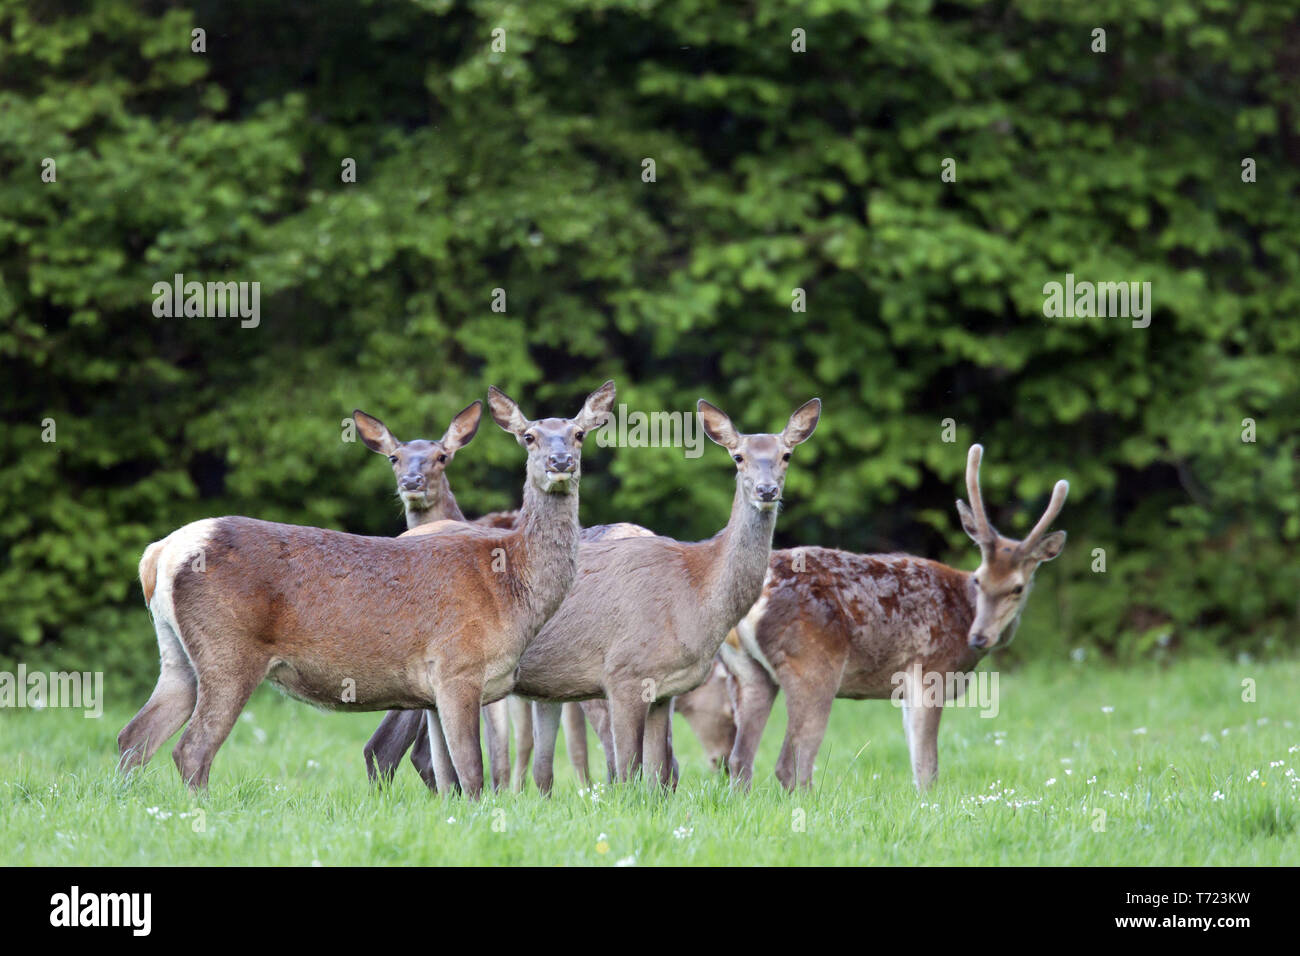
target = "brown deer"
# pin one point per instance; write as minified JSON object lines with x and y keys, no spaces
{"x":707,"y":710}
{"x":401,"y":730}
{"x":646,"y":615}
{"x":348,"y":622}
{"x":419,"y":470}
{"x":709,"y":713}
{"x":833,"y":624}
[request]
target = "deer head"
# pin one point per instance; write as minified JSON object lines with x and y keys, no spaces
{"x":554,"y":445}
{"x":418,"y":465}
{"x":709,"y":711}
{"x":761,"y":460}
{"x":1006,"y":572}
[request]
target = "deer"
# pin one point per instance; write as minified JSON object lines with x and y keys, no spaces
{"x":647,"y":615}
{"x":403,"y":730}
{"x":351,"y":622}
{"x":709,"y":713}
{"x":707,"y":710}
{"x":834,"y":624}
{"x":419,"y":469}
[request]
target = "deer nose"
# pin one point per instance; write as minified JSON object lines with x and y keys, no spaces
{"x":411,"y":483}
{"x":979,"y":640}
{"x":768,"y":491}
{"x":560,"y":462}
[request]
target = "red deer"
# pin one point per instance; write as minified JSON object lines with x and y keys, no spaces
{"x":707,"y":710}
{"x":833,"y":624}
{"x":419,"y":468}
{"x":402,"y":729}
{"x":348,"y":622}
{"x":646,"y":615}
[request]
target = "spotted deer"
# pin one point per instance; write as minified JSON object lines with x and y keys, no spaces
{"x":646,"y":615}
{"x":834,"y":624}
{"x":348,"y":622}
{"x":419,"y":469}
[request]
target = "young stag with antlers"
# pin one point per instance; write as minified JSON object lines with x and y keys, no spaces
{"x":348,"y":622}
{"x":833,"y":624}
{"x":646,"y":615}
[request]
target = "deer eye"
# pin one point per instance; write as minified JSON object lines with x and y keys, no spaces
{"x":1018,"y":589}
{"x":442,"y":459}
{"x":738,"y":458}
{"x":393,"y":459}
{"x":785,"y":457}
{"x":580,"y":435}
{"x":529,"y":439}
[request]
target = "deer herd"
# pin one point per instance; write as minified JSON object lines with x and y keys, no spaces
{"x":525,"y":618}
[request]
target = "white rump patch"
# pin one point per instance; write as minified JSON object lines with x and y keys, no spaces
{"x":179,"y":548}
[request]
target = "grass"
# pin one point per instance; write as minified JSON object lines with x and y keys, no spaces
{"x":1182,"y":771}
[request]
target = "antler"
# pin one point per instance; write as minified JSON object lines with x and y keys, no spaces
{"x":1053,"y":509}
{"x":986,"y":532}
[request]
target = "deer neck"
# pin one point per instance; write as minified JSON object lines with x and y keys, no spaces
{"x":445,"y":508}
{"x":743,"y":549}
{"x":548,"y":560}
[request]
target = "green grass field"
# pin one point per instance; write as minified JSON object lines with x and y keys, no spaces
{"x":1182,"y":771}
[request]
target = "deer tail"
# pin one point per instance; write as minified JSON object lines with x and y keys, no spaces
{"x":149,"y":570}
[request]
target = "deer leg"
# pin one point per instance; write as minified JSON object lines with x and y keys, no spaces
{"x":753,"y":693}
{"x":809,"y":710}
{"x":627,"y":717}
{"x":521,"y":716}
{"x":546,"y":725}
{"x":458,"y":709}
{"x":657,"y":746}
{"x":220,"y":699}
{"x":422,"y":754}
{"x":496,"y":718}
{"x":168,"y":707}
{"x":921,"y":726}
{"x":675,"y":771}
{"x":442,"y":768}
{"x":575,"y":741}
{"x":388,"y":744}
{"x":597,"y":713}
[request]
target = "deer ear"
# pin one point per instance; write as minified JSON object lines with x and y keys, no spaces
{"x":505,"y":412}
{"x":1049,"y":547}
{"x":717,"y":425}
{"x":596,"y":409}
{"x":968,"y":523}
{"x":374,"y":433}
{"x":802,"y":423}
{"x":463,"y":427}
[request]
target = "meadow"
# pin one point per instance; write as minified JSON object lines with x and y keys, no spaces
{"x":1085,"y":764}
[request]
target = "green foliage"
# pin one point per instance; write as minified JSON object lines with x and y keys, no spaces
{"x":775,"y":170}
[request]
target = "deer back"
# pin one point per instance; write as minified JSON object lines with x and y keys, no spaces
{"x":865,"y":617}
